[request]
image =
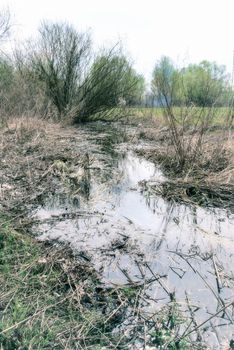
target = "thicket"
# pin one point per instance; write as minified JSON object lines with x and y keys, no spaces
{"x":59,"y":75}
{"x":189,"y":98}
{"x":203,"y":85}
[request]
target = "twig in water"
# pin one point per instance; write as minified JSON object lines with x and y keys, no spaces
{"x":204,"y":322}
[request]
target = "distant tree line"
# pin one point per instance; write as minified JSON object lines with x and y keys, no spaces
{"x":58,"y":74}
{"x":205,"y":84}
{"x":189,"y":98}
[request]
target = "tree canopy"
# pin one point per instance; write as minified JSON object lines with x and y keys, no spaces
{"x":202,"y":84}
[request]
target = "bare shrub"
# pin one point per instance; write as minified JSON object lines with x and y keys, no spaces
{"x":58,"y":75}
{"x":5,"y":24}
{"x":189,"y":123}
{"x":58,"y":59}
{"x":78,"y":83}
{"x":109,"y":87}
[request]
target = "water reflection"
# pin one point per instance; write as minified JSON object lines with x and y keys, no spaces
{"x":134,"y":237}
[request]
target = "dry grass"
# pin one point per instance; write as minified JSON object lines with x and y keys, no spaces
{"x":44,"y":156}
{"x":49,"y":297}
{"x":206,"y":178}
{"x":34,"y":155}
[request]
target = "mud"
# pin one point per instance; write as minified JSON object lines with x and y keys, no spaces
{"x":182,"y":253}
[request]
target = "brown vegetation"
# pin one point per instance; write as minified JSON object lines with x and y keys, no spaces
{"x":207,"y":179}
{"x":35,"y":155}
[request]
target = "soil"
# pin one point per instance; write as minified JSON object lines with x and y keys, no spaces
{"x":91,"y":188}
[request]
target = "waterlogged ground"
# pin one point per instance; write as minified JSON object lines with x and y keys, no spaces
{"x":177,"y":252}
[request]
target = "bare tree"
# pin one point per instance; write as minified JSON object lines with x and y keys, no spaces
{"x":111,"y":84}
{"x":78,"y":84}
{"x":4,"y":24}
{"x":59,"y":59}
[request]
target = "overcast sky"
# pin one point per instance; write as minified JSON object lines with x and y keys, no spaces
{"x":185,"y":30}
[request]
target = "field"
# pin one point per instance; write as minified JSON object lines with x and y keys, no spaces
{"x":220,"y":115}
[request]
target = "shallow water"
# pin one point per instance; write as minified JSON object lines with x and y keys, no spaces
{"x":132,"y":237}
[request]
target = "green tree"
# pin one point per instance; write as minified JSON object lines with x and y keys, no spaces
{"x":165,"y":82}
{"x":196,"y":89}
{"x":6,"y":75}
{"x":6,"y":69}
{"x":204,"y":84}
{"x":111,"y":83}
{"x":137,"y":93}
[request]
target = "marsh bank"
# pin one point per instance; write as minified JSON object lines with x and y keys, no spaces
{"x":91,"y":195}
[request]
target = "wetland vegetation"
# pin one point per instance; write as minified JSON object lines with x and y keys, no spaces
{"x":116,"y":218}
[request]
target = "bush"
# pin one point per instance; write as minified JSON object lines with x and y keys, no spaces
{"x":196,"y":90}
{"x":111,"y":83}
{"x":58,"y":60}
{"x":204,"y":84}
{"x":59,"y":63}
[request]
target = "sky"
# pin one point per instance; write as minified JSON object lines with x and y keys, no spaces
{"x":185,"y":30}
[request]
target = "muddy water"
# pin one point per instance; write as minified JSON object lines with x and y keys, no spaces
{"x":179,"y":252}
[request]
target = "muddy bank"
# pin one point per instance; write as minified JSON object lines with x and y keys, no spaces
{"x":85,"y":187}
{"x":206,"y":178}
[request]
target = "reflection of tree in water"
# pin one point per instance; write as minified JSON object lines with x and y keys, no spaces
{"x":85,"y":184}
{"x":190,"y":216}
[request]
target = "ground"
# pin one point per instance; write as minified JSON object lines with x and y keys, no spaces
{"x":52,"y":296}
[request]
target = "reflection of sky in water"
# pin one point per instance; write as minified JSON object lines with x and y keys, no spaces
{"x":177,"y":241}
{"x":148,"y":220}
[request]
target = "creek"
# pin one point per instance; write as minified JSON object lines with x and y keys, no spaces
{"x":179,"y":252}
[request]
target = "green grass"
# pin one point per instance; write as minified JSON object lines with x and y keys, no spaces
{"x":50,"y":300}
{"x":46,"y":298}
{"x":219,"y":114}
